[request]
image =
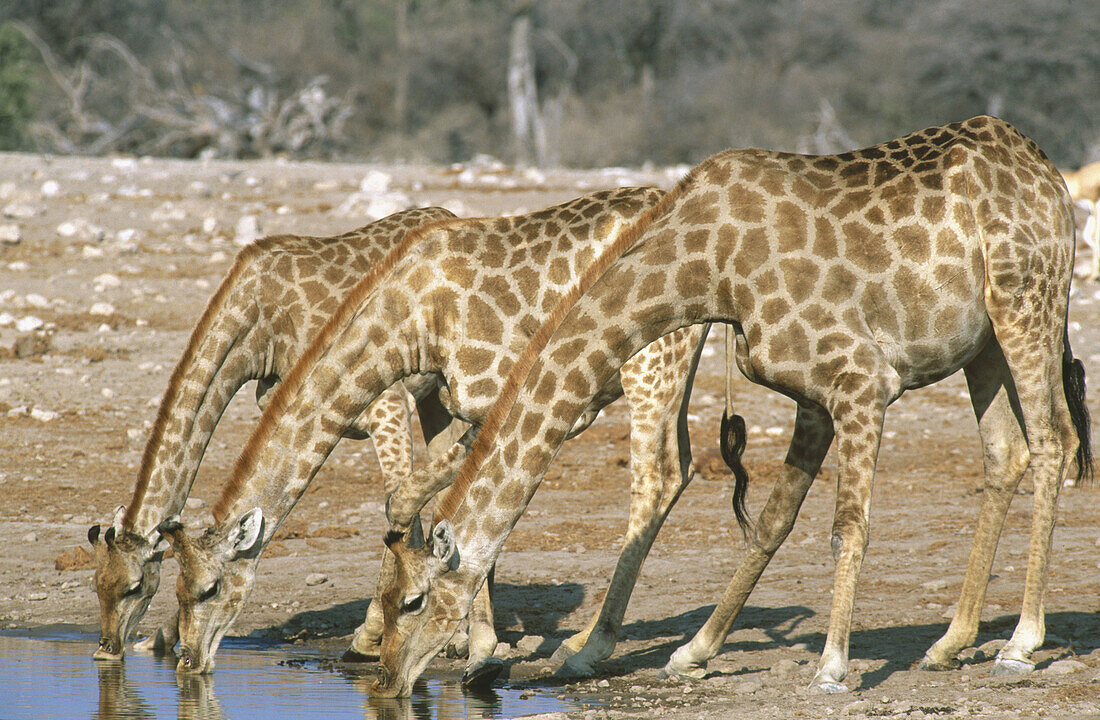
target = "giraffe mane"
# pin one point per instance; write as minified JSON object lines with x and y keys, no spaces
{"x":242,"y":262}
{"x":286,"y":390}
{"x":494,"y":421}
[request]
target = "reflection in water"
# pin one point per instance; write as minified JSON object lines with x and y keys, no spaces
{"x":197,"y":700}
{"x":54,"y":676}
{"x":118,"y":698}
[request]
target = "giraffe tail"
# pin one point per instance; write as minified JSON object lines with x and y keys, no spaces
{"x":1073,"y":384}
{"x":732,"y":440}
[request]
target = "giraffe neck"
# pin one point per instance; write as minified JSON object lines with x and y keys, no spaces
{"x":220,"y":357}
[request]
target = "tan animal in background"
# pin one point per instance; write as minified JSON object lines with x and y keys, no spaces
{"x":1084,"y":188}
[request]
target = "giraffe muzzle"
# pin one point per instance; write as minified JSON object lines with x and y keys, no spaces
{"x":107,"y":650}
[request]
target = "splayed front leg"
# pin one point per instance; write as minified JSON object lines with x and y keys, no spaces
{"x":482,"y":668}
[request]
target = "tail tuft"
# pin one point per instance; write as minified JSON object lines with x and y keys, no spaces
{"x":1073,"y":383}
{"x":732,"y":441}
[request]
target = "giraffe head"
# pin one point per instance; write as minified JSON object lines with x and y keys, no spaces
{"x":422,"y":606}
{"x":127,"y":575}
{"x":217,"y":571}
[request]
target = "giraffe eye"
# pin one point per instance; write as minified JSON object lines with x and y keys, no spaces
{"x":413,"y":605}
{"x":210,"y":591}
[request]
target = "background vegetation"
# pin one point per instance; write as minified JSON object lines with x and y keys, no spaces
{"x":570,"y":82}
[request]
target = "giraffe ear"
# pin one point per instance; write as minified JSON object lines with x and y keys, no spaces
{"x":416,"y":535}
{"x":93,"y":534}
{"x":244,"y":538}
{"x":443,"y":545}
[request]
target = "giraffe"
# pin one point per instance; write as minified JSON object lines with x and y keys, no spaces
{"x":847,"y":279}
{"x":277,"y":294}
{"x":1084,"y":188}
{"x":457,"y":311}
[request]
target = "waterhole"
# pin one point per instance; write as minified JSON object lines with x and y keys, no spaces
{"x":50,"y":674}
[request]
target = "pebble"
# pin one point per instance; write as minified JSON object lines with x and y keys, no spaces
{"x":107,"y":280}
{"x":50,"y":188}
{"x":316,"y":579}
{"x":747,"y":687}
{"x":30,"y":537}
{"x":502,"y":650}
{"x":37,"y":301}
{"x":529,"y":644}
{"x":44,"y":415}
{"x":784,"y":668}
{"x":102,"y":308}
{"x":247,"y":230}
{"x":194,"y":503}
{"x":107,"y":393}
{"x":18,"y":210}
{"x":11,"y":234}
{"x":375,"y":182}
{"x":134,"y":434}
{"x":37,"y":597}
{"x":28,"y":323}
{"x":1065,"y":667}
{"x":603,"y":684}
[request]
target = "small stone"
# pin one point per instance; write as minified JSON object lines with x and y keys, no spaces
{"x":747,"y":687}
{"x":107,"y":280}
{"x":601,"y":683}
{"x":11,"y":234}
{"x":316,"y":579}
{"x":375,"y":182}
{"x":194,"y":503}
{"x":247,"y":230}
{"x":989,"y":650}
{"x":28,"y":323}
{"x":50,"y":188}
{"x":529,"y":644}
{"x":102,"y":309}
{"x":134,"y":434}
{"x":107,"y":393}
{"x":37,"y":597}
{"x":934,"y":585}
{"x":37,"y":301}
{"x":502,"y":650}
{"x":1065,"y":667}
{"x":784,"y":668}
{"x":43,"y":415}
{"x":20,"y":210}
{"x":30,"y":537}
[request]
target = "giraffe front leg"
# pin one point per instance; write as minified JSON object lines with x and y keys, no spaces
{"x":659,"y":479}
{"x":162,"y":641}
{"x":482,"y":668}
{"x":367,"y":644}
{"x":813,"y":433}
{"x":858,"y":414}
{"x":1005,"y":458}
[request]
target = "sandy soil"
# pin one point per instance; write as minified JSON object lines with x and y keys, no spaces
{"x":153,"y":238}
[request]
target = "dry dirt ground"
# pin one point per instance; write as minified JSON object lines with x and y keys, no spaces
{"x":152,"y":238}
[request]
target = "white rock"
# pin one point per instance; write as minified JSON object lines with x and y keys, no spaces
{"x":168,"y":212}
{"x":194,"y":503}
{"x":107,"y":280}
{"x":11,"y":234}
{"x":20,"y":210}
{"x":7,"y":190}
{"x":28,"y":323}
{"x":30,"y":538}
{"x":316,"y":579}
{"x":44,"y":415}
{"x":102,"y":308}
{"x":375,"y":182}
{"x":104,"y":328}
{"x":6,"y":319}
{"x":89,"y":252}
{"x":134,"y":434}
{"x":50,"y":188}
{"x":1065,"y":667}
{"x":20,"y":411}
{"x":247,"y":230}
{"x":67,"y":229}
{"x":209,"y":225}
{"x":774,"y":431}
{"x":37,"y":301}
{"x":18,"y":266}
{"x":218,"y":257}
{"x":107,"y":393}
{"x":529,"y":644}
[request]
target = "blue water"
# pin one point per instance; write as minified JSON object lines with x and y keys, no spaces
{"x":54,"y":676}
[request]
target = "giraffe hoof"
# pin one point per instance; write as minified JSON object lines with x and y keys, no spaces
{"x":830,"y":687}
{"x":696,"y":672}
{"x":351,"y":655}
{"x":1009,"y":666}
{"x":574,"y":668}
{"x":562,"y":654}
{"x":483,"y":674}
{"x":928,"y":663}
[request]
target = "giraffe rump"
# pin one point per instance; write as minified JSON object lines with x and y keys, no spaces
{"x":291,"y":385}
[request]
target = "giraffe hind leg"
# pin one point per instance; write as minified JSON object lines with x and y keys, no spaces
{"x":1033,"y":343}
{"x":1005,"y":458}
{"x":657,"y":384}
